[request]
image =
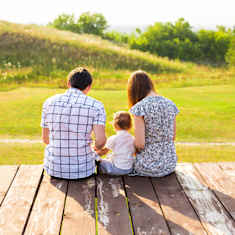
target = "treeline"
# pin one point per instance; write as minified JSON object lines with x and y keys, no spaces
{"x":173,"y":40}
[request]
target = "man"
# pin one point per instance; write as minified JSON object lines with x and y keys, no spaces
{"x":67,"y":123}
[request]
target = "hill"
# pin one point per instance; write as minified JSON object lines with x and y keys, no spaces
{"x":34,"y":53}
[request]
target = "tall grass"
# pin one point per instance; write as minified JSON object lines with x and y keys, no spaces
{"x":31,"y":53}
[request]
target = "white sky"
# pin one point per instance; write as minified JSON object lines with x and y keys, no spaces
{"x":205,"y":13}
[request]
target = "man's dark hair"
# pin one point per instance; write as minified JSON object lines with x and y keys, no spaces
{"x":80,"y":78}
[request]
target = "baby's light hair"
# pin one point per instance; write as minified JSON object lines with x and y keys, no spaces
{"x":123,"y":120}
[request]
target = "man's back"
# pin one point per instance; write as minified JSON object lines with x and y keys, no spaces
{"x":70,"y":118}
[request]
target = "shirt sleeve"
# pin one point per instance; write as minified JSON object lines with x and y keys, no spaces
{"x":174,"y":108}
{"x":137,"y":110}
{"x":110,"y":142}
{"x":44,"y":114}
{"x":100,"y":117}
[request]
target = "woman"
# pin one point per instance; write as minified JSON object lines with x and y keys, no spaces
{"x":154,"y":121}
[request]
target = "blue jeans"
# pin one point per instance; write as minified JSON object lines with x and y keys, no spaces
{"x":107,"y":167}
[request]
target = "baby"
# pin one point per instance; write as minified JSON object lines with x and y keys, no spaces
{"x":120,"y":161}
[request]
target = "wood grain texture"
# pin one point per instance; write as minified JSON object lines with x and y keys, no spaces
{"x":17,"y":203}
{"x":145,"y":210}
{"x":48,"y":208}
{"x":221,"y":183}
{"x":211,"y":212}
{"x":79,"y":213}
{"x":7,"y":174}
{"x":227,"y":166}
{"x":113,"y":214}
{"x":179,"y":213}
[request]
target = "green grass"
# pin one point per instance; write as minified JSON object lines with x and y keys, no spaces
{"x":56,"y":52}
{"x":18,"y":153}
{"x":14,"y":153}
{"x":31,"y":54}
{"x":35,"y":60}
{"x":205,"y":153}
{"x":207,"y":114}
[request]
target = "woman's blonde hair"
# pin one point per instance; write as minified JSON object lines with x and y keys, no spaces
{"x":138,"y":87}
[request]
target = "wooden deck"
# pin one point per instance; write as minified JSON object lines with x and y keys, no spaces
{"x":197,"y":199}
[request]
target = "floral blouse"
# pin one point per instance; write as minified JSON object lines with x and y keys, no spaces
{"x":158,"y":158}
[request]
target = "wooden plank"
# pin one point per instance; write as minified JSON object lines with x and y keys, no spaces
{"x":7,"y":174}
{"x":222,"y":184}
{"x":46,"y":215}
{"x":79,"y":213}
{"x":179,"y":213}
{"x":211,"y":212}
{"x":18,"y":201}
{"x":145,"y":210}
{"x":227,"y":166}
{"x":113,"y":214}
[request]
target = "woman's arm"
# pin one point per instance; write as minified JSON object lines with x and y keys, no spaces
{"x":174,"y":130}
{"x":139,"y":129}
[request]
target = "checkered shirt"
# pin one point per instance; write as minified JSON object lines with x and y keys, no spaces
{"x":70,"y":118}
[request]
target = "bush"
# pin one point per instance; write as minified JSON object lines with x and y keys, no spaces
{"x":230,"y":56}
{"x":178,"y":41}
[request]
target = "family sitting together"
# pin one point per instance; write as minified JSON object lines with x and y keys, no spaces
{"x":70,"y":119}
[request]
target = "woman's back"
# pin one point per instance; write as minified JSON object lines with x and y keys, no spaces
{"x":159,"y":115}
{"x":158,"y":158}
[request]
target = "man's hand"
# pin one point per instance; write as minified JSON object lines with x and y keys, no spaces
{"x":102,"y":151}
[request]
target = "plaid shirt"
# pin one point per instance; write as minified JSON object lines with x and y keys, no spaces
{"x":70,"y":118}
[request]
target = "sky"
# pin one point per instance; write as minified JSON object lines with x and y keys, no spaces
{"x":199,"y":13}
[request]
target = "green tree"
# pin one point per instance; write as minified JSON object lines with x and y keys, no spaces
{"x":116,"y":37}
{"x":65,"y":22}
{"x":170,"y":40}
{"x":214,"y":44}
{"x":92,"y":23}
{"x":230,"y":55}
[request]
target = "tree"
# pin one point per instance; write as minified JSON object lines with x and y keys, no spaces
{"x":92,"y":23}
{"x":65,"y":22}
{"x":230,"y":55}
{"x":167,"y":39}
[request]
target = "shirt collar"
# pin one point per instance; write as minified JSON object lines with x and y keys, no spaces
{"x":120,"y":132}
{"x":73,"y":90}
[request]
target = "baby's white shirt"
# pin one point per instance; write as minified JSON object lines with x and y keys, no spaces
{"x":122,"y":145}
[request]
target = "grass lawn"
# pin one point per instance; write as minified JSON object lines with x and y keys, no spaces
{"x":14,"y":154}
{"x":207,"y":114}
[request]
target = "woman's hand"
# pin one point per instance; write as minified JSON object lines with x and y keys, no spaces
{"x":139,"y":128}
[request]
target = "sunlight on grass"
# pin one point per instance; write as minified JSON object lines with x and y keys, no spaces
{"x":15,"y":153}
{"x":204,"y":153}
{"x":207,"y":114}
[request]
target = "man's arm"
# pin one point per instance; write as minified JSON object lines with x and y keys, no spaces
{"x":45,"y":135}
{"x":100,"y":137}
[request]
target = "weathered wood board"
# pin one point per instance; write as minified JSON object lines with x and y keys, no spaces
{"x":222,"y":184}
{"x":46,"y":216}
{"x":18,"y":201}
{"x":180,"y":215}
{"x":7,"y":174}
{"x":79,"y":212}
{"x":113,"y":214}
{"x":211,"y":212}
{"x":145,"y":210}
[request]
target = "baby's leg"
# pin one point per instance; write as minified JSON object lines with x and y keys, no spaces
{"x":106,"y":167}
